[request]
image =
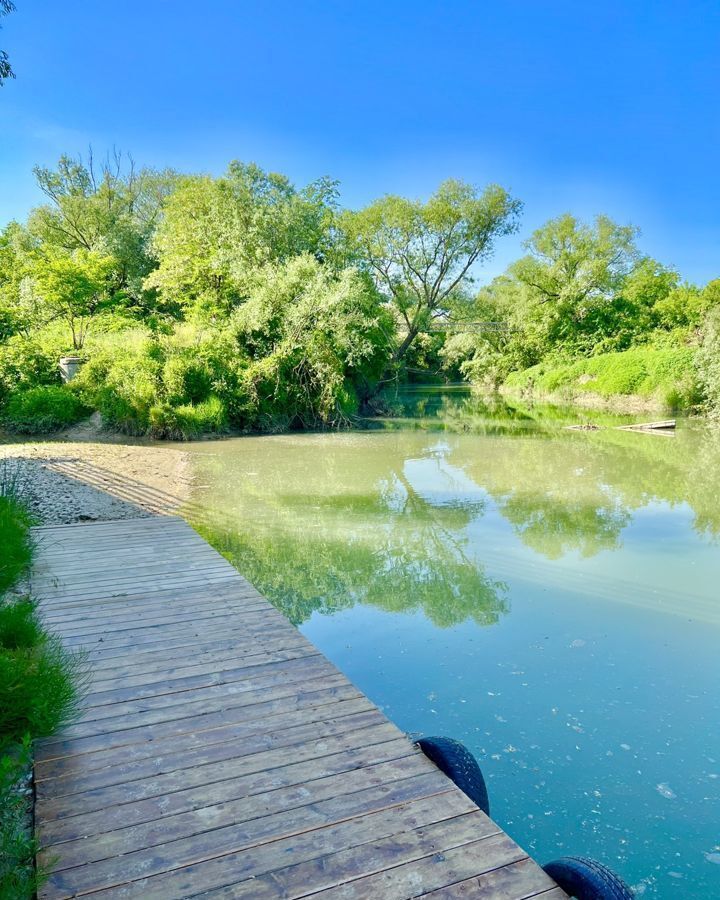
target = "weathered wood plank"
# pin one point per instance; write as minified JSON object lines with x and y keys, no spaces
{"x":372,"y":854}
{"x":146,"y":778}
{"x":299,"y":700}
{"x":519,"y":881}
{"x":243,"y":835}
{"x":431,"y":872}
{"x":176,"y":813}
{"x":251,"y":862}
{"x":87,"y":774}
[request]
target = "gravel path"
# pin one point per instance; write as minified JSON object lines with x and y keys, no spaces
{"x":86,"y":481}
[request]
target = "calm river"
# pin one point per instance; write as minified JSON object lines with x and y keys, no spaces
{"x":549,"y":597}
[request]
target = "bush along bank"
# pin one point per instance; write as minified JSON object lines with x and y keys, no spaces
{"x":665,"y":379}
{"x":40,"y":685}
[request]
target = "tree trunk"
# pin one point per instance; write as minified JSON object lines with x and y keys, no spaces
{"x":395,"y":359}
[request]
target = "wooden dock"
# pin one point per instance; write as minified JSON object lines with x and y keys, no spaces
{"x":219,"y":754}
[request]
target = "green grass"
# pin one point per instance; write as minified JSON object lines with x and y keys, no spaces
{"x":38,"y":678}
{"x":15,"y":524}
{"x":667,"y":374}
{"x":43,"y":409}
{"x":40,"y":685}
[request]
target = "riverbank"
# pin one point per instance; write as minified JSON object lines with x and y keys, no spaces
{"x":641,"y":379}
{"x":85,"y":481}
{"x":623,"y":404}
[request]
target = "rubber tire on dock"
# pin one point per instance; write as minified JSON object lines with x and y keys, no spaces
{"x":461,"y":767}
{"x":586,"y":879}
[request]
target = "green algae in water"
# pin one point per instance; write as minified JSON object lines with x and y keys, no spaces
{"x":549,"y":597}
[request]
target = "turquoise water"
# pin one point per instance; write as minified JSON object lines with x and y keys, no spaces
{"x":549,"y":597}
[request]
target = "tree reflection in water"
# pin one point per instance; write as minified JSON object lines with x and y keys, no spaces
{"x":323,"y":522}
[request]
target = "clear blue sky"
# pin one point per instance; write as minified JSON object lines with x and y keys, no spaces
{"x":610,"y":107}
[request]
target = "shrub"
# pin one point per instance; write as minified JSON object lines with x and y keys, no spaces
{"x":26,"y":364}
{"x":188,"y":421}
{"x":39,"y":679}
{"x":43,"y":409}
{"x":123,"y":386}
{"x":176,"y":387}
{"x":666,"y":373}
{"x":186,"y":379}
{"x":708,"y":362}
{"x":20,"y":628}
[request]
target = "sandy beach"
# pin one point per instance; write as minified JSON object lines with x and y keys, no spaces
{"x":86,"y":481}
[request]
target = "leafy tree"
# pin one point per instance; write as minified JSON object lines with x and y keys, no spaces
{"x":18,"y":309}
{"x":565,"y":294}
{"x":71,"y":288}
{"x":421,"y":254}
{"x":6,"y":7}
{"x":571,"y":265}
{"x":215,"y":233}
{"x":318,"y":340}
{"x":111,"y":209}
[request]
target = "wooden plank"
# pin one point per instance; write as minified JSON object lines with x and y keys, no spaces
{"x":190,"y":708}
{"x":519,"y":881}
{"x":255,"y":665}
{"x":373,"y":853}
{"x":100,"y":767}
{"x":214,"y":797}
{"x":219,"y":753}
{"x":287,"y":673}
{"x":175,"y":675}
{"x":298,"y":741}
{"x":181,"y":597}
{"x":108,"y":608}
{"x":249,"y":863}
{"x":431,"y":872}
{"x":222,"y":842}
{"x":130,"y":633}
{"x":62,"y":746}
{"x":227,"y":764}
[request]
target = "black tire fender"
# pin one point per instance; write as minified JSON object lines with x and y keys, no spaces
{"x":461,"y":767}
{"x":586,"y":879}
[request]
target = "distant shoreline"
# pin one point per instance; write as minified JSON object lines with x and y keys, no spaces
{"x":618,"y":403}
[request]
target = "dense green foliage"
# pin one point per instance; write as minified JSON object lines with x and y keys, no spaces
{"x":43,"y":409}
{"x":669,"y":373}
{"x":39,"y":687}
{"x":709,"y":360}
{"x":205,"y":305}
{"x":421,"y":255}
{"x":584,"y":311}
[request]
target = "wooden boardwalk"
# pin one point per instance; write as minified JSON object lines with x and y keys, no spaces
{"x":219,"y":754}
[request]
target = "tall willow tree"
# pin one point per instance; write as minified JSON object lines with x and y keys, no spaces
{"x":421,"y":254}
